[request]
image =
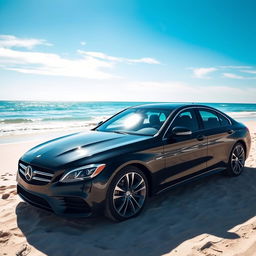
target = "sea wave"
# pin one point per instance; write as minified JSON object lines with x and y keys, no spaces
{"x":24,"y":117}
{"x":36,"y":126}
{"x":16,"y":120}
{"x":243,"y":114}
{"x":53,"y":119}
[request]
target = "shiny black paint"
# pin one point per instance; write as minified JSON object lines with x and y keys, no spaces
{"x":184,"y":155}
{"x":166,"y":160}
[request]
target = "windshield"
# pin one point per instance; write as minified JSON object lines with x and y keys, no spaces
{"x":140,"y":121}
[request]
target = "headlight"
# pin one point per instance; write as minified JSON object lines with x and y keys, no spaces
{"x":82,"y":173}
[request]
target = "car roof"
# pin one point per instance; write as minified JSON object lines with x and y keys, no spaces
{"x":180,"y":106}
{"x":170,"y":106}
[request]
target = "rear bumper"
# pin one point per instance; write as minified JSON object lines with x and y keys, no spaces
{"x":74,"y":199}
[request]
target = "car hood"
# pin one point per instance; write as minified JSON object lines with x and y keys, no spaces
{"x":73,"y":147}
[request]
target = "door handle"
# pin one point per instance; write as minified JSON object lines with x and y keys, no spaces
{"x":200,"y":137}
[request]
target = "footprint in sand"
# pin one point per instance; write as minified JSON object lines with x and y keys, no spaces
{"x":5,"y":196}
{"x":4,"y":236}
{"x":6,"y":191}
{"x":13,"y":192}
{"x":25,"y":250}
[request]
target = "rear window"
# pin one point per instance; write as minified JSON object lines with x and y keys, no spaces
{"x":223,"y":120}
{"x":210,"y":119}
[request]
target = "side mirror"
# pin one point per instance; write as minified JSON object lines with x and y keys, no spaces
{"x":181,"y":131}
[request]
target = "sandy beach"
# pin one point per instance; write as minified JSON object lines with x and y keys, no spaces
{"x":213,"y":216}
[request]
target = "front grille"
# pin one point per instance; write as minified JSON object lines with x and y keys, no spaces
{"x":39,"y":176}
{"x":33,"y":199}
{"x":64,"y":205}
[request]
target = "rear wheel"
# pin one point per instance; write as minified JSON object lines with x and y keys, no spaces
{"x":236,"y":160}
{"x":127,"y":194}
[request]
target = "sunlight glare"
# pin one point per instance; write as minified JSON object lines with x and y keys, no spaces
{"x":133,"y":120}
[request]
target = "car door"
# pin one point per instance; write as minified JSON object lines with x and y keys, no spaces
{"x":217,"y":128}
{"x":186,"y":155}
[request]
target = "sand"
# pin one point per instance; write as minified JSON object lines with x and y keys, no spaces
{"x":212,"y":216}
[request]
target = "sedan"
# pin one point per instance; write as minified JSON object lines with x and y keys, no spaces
{"x":138,"y":153}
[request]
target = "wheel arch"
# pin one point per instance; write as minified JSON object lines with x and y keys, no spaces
{"x":148,"y":175}
{"x":244,"y":145}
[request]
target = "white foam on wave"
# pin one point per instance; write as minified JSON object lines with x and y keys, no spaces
{"x":38,"y":126}
{"x":244,"y":114}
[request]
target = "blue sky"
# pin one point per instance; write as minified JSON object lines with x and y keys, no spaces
{"x":128,"y":50}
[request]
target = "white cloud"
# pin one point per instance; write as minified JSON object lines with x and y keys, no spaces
{"x":203,"y":72}
{"x":83,"y":43}
{"x":235,"y":67}
{"x":100,"y":55}
{"x":249,"y":71}
{"x":234,"y":76}
{"x":9,"y":41}
{"x":91,"y":65}
{"x":53,"y":64}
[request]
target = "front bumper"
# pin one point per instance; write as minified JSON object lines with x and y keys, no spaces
{"x":78,"y":199}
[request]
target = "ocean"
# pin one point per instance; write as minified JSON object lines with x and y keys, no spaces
{"x":24,"y":117}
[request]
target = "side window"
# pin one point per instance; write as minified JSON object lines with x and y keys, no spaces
{"x":186,"y":119}
{"x":223,"y":120}
{"x":210,"y":119}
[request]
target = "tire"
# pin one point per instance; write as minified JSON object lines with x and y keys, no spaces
{"x":127,"y":194}
{"x":236,"y":160}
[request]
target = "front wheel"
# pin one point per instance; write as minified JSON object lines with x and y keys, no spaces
{"x":127,"y":194}
{"x":236,"y":160}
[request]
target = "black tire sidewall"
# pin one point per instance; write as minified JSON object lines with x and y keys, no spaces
{"x":110,"y":209}
{"x":230,"y":169}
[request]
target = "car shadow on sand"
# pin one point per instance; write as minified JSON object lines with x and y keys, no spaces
{"x":212,"y":205}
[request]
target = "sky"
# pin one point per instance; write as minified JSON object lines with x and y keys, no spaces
{"x":144,"y":50}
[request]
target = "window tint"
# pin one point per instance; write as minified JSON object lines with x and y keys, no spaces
{"x":186,"y":119}
{"x":223,"y":120}
{"x":210,"y":119}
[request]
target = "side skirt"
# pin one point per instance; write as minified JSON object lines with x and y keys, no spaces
{"x":193,"y":178}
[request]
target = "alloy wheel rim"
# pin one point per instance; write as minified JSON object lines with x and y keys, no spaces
{"x":129,"y":194}
{"x":237,"y":159}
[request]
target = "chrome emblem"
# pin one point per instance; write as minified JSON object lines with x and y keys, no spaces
{"x":29,"y":173}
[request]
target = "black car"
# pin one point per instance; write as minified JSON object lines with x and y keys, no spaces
{"x":137,"y":153}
